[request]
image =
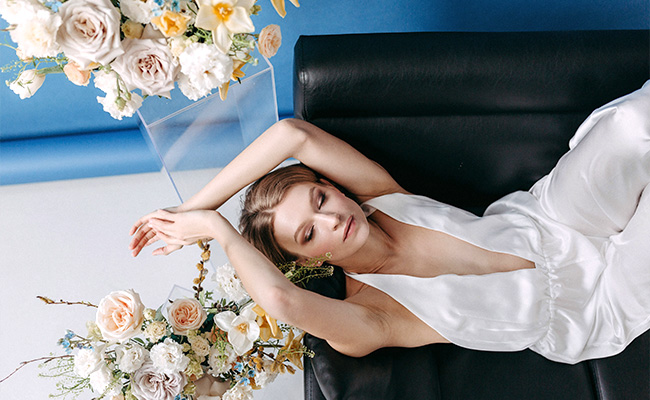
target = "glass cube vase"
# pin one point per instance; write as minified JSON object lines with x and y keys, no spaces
{"x":208,"y":133}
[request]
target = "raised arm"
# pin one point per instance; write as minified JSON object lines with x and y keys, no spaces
{"x":293,"y":138}
{"x":289,"y":138}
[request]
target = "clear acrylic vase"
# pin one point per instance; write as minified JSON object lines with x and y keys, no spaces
{"x":208,"y":133}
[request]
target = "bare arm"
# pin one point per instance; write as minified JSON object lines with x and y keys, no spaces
{"x":305,"y":142}
{"x":350,"y":327}
{"x":290,"y":138}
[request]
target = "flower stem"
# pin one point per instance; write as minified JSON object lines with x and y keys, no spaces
{"x":50,"y":70}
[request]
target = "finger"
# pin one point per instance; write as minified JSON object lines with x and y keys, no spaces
{"x":139,"y":223}
{"x":143,"y":234}
{"x":166,"y":250}
{"x":160,"y":214}
{"x":146,"y":241}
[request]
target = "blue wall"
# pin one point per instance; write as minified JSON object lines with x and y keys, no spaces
{"x":61,"y":114}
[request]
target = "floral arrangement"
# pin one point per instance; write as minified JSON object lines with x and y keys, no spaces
{"x":128,"y":45}
{"x":197,"y":348}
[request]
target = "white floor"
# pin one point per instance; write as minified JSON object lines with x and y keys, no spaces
{"x":68,"y":240}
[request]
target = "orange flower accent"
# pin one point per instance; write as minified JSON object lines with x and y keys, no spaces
{"x":268,"y":325}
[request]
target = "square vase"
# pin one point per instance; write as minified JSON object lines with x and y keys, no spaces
{"x":208,"y":133}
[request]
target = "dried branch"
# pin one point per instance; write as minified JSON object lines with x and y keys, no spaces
{"x":47,"y":300}
{"x":44,"y":359}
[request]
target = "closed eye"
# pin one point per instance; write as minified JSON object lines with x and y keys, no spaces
{"x":321,"y":200}
{"x":310,"y":234}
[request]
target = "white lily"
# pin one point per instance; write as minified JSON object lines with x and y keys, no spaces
{"x":242,"y":329}
{"x":225,"y":18}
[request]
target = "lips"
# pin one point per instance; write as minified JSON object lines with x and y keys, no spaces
{"x":349,"y":227}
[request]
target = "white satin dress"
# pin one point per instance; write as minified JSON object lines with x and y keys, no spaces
{"x":586,"y":226}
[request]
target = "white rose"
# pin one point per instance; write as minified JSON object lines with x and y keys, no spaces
{"x":87,"y":361}
{"x":36,"y":36}
{"x":18,"y":11}
{"x":138,"y":10}
{"x":204,"y":68}
{"x":27,"y":83}
{"x":102,"y":382}
{"x":168,"y":357}
{"x":90,"y":31}
{"x":150,"y":383}
{"x":130,"y":358}
{"x":148,"y":65}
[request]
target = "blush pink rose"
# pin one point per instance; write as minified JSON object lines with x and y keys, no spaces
{"x":186,"y":315}
{"x":120,"y":315}
{"x":270,"y":40}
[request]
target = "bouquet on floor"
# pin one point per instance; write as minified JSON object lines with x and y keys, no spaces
{"x":128,"y":45}
{"x":196,"y":348}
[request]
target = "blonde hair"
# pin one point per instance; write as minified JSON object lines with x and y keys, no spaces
{"x":257,"y":216}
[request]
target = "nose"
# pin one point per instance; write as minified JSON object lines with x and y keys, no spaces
{"x":331,"y":220}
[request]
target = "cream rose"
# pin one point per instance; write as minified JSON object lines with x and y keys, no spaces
{"x":155,"y":331}
{"x":150,"y":383}
{"x":186,"y":315}
{"x":148,"y":65}
{"x":120,"y":315}
{"x":270,"y":40}
{"x":90,"y":31}
{"x":76,"y":74}
{"x":132,"y":29}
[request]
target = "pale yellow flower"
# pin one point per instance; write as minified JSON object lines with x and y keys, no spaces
{"x":132,"y":29}
{"x":171,"y":23}
{"x":279,"y":6}
{"x":225,"y":18}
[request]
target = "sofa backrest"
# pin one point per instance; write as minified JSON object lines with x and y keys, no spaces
{"x":464,"y":117}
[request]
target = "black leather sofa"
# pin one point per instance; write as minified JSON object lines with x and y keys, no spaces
{"x":465,"y":118}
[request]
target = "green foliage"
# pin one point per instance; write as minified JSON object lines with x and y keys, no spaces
{"x":314,"y":268}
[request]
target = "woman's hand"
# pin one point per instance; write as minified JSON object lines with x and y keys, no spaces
{"x":181,"y":228}
{"x":145,"y":235}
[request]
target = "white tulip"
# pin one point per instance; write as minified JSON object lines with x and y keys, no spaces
{"x":27,"y":83}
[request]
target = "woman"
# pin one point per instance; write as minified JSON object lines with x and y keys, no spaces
{"x":563,"y":269}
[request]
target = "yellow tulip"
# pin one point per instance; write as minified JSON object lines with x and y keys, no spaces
{"x":171,"y":23}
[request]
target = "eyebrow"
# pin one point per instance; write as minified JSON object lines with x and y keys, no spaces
{"x":302,"y":226}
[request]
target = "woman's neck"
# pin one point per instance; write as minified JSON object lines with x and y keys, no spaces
{"x":377,"y":252}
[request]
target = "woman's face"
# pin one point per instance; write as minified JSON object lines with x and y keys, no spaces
{"x":314,"y":219}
